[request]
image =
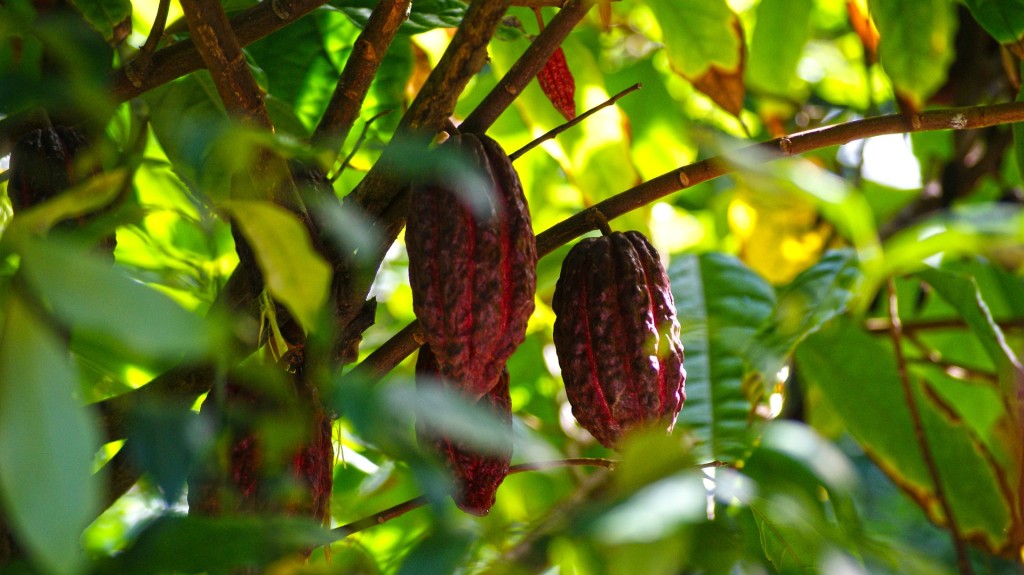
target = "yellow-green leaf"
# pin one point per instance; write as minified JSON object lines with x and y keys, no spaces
{"x":296,"y":275}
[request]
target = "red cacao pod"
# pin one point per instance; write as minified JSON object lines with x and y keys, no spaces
{"x":260,"y":476}
{"x":477,"y":475}
{"x":43,"y":165}
{"x":617,"y":337}
{"x":472,"y":269}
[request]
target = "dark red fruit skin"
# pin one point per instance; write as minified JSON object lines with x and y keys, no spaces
{"x":472,"y":272}
{"x":558,"y":84}
{"x":617,"y":337}
{"x":477,"y":476}
{"x":43,"y":165}
{"x":256,"y":479}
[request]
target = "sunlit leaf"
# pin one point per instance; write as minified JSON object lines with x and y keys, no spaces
{"x":720,"y":302}
{"x":704,"y":42}
{"x":101,"y":304}
{"x":294,"y":272}
{"x":47,"y":441}
{"x":1003,"y":19}
{"x":916,"y":57}
{"x":772,"y":63}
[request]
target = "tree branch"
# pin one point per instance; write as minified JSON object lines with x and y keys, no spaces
{"x":367,"y":54}
{"x":417,"y":502}
{"x":403,"y":343}
{"x":963,"y":559}
{"x":526,"y":68}
{"x":182,"y":58}
{"x":559,"y":129}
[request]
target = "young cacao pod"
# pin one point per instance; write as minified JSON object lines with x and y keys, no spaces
{"x":477,"y":475}
{"x":472,"y":265}
{"x":617,"y":337}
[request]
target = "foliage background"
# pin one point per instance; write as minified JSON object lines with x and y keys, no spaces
{"x":838,"y":444}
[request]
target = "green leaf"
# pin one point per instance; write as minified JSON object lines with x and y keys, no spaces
{"x":440,"y":552}
{"x":47,"y":441}
{"x":782,"y":29}
{"x":915,"y":44}
{"x":104,"y":15}
{"x":814,"y":297}
{"x":299,"y":70}
{"x":698,"y":34}
{"x":857,"y":375}
{"x":100,"y":304}
{"x":425,"y":14}
{"x":962,"y":293}
{"x":296,"y":275}
{"x":82,"y":199}
{"x":720,"y":303}
{"x":1003,"y":19}
{"x":215,"y":545}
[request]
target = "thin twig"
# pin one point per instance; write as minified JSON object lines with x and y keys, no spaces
{"x":138,"y":68}
{"x":417,"y":502}
{"x":380,"y":517}
{"x":526,"y":68}
{"x":359,"y":142}
{"x":402,"y":343}
{"x":552,"y":133}
{"x":882,"y":325}
{"x":353,"y":84}
{"x":963,"y":559}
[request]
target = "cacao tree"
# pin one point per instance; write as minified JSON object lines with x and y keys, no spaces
{"x":801,"y":220}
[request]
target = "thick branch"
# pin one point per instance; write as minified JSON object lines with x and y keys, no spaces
{"x":222,"y":55}
{"x":405,"y":342}
{"x":182,"y":58}
{"x":526,"y":68}
{"x":360,"y":69}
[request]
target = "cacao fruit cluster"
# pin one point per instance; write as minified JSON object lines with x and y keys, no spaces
{"x":617,"y":337}
{"x":472,"y":265}
{"x":477,"y":475}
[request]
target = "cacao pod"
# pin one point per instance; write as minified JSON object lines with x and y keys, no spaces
{"x":472,"y":268}
{"x":477,"y":475}
{"x":259,"y":475}
{"x":617,"y":337}
{"x":43,"y":165}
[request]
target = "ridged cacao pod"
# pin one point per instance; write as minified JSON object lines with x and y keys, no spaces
{"x":259,"y":476}
{"x":472,"y":268}
{"x":617,"y":337}
{"x":477,"y":475}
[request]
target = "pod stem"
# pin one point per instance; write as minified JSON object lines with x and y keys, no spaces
{"x":598,"y":221}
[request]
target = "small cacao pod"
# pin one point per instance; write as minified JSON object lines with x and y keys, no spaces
{"x":477,"y":475}
{"x":472,"y":265}
{"x":43,"y":165}
{"x":617,"y":337}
